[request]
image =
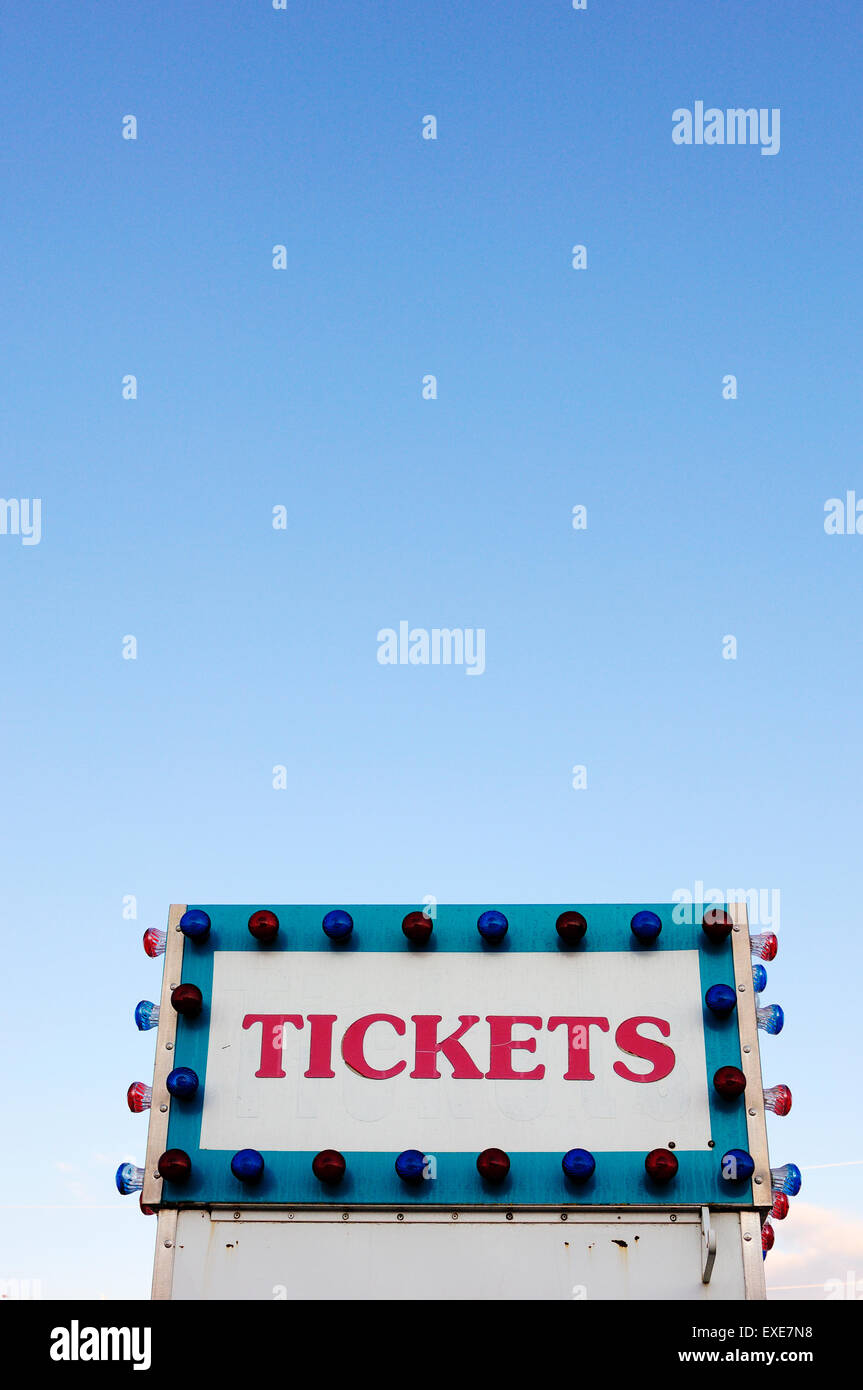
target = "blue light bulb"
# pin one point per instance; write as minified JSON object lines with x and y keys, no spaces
{"x":759,"y":978}
{"x":721,"y":1000}
{"x":411,"y":1165}
{"x":579,"y":1165}
{"x":770,"y":1018}
{"x":195,"y":924}
{"x":492,"y":926}
{"x":338,"y":925}
{"x":146,"y":1015}
{"x":787,"y":1179}
{"x":129,"y":1179}
{"x":248,"y":1165}
{"x":182,"y":1082}
{"x":646,"y":927}
{"x":737,"y":1166}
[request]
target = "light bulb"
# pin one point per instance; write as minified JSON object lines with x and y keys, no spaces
{"x":779,"y":1210}
{"x":411,"y":1165}
{"x":729,"y":1082}
{"x":493,"y":1164}
{"x":492,"y":926}
{"x":195,"y":924}
{"x":778,"y":1099}
{"x":571,"y":927}
{"x":175,"y":1165}
{"x":737,"y":1166}
{"x":771,"y":1018}
{"x":264,"y":927}
{"x":787,"y":1179}
{"x":417,"y":928}
{"x":645,"y":927}
{"x":338,"y":926}
{"x":187,"y":1000}
{"x":661,"y":1165}
{"x":578,"y":1164}
{"x":721,"y":1000}
{"x":765,"y":945}
{"x":139,"y":1097}
{"x":129,"y":1179}
{"x":155,"y":941}
{"x":182,"y":1083}
{"x":248,"y":1165}
{"x":329,"y":1166}
{"x":717,"y":925}
{"x":146,"y":1015}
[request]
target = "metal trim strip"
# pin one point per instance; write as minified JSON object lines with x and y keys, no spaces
{"x":166,"y":1036}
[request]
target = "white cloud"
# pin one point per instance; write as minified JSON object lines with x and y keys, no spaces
{"x":814,"y":1246}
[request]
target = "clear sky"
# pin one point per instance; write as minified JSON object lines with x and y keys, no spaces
{"x":302,"y":388}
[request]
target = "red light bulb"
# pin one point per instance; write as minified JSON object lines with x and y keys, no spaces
{"x":493,"y":1165}
{"x":768,"y":1235}
{"x":661,"y":1165}
{"x":175,"y":1165}
{"x":765,"y":945}
{"x":729,"y":1082}
{"x":778,"y":1099}
{"x":716,"y":925}
{"x":571,"y":927}
{"x":779,"y":1210}
{"x":329,"y":1166}
{"x":139,"y":1097}
{"x":155,"y":942}
{"x":187,"y":1000}
{"x":417,"y":928}
{"x":264,"y":926}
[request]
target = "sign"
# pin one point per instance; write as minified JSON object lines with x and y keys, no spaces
{"x":376,"y":1045}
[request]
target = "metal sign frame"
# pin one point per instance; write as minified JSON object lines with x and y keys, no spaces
{"x":536,"y":1180}
{"x":479,"y":1253}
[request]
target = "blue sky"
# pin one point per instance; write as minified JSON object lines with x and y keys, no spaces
{"x":302,"y":388}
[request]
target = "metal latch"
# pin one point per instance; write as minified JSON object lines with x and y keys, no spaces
{"x":708,"y":1246}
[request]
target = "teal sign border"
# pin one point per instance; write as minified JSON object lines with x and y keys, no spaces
{"x":535,"y":1179}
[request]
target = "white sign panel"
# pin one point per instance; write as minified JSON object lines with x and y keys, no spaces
{"x":451,"y":1052}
